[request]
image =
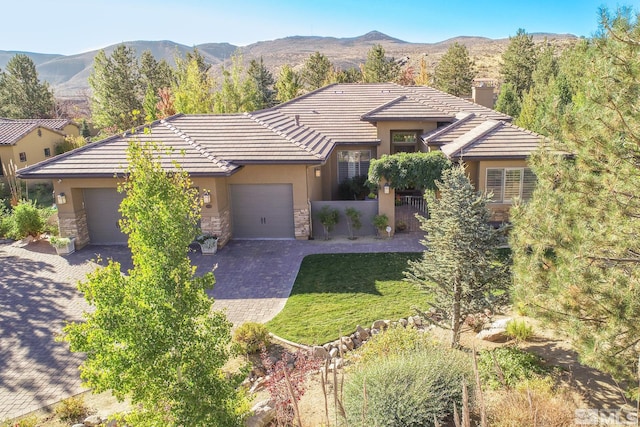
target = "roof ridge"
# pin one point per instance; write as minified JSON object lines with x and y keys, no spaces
{"x":383,"y":106}
{"x":223,"y":164}
{"x":466,"y":116}
{"x":470,"y":137}
{"x":286,"y":135}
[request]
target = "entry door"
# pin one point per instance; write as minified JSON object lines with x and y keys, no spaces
{"x":262,"y":211}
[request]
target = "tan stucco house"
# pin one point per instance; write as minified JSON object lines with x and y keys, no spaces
{"x":26,"y":142}
{"x":262,"y":171}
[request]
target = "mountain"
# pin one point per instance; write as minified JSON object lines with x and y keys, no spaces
{"x":68,"y":74}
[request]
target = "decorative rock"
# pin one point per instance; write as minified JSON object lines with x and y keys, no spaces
{"x":78,"y":425}
{"x":347,"y":341}
{"x":410,"y":322}
{"x":263,"y":414}
{"x":361,"y":333}
{"x":501,"y":323}
{"x":319,"y":352}
{"x":493,"y":334}
{"x":327,"y":346}
{"x":417,"y":320}
{"x":338,"y":363}
{"x":92,"y":421}
{"x":356,"y":343}
{"x":343,"y":348}
{"x":403,"y":322}
{"x":333,"y":352}
{"x":380,"y":325}
{"x":374,"y":332}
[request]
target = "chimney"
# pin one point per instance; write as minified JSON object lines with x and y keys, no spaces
{"x":482,"y":94}
{"x":297,"y":119}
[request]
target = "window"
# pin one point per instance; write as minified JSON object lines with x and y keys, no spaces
{"x":507,"y":184}
{"x":47,"y":152}
{"x":353,"y":163}
{"x":404,"y":141}
{"x":23,"y":157}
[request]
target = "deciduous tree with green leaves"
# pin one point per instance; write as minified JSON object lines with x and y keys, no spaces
{"x":579,"y":267}
{"x":22,"y":95}
{"x":193,"y":87}
{"x":461,"y":266}
{"x":116,"y":92}
{"x":288,"y":85}
{"x":455,"y":72}
{"x":153,"y":336}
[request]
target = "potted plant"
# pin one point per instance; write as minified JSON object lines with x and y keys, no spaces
{"x":63,"y":245}
{"x":208,"y":243}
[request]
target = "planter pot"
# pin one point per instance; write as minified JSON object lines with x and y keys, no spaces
{"x":209,"y":249}
{"x":66,"y":249}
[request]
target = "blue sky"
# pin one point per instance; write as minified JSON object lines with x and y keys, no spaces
{"x":74,"y":26}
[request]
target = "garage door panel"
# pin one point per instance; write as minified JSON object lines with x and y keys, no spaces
{"x":262,"y":211}
{"x":102,"y":208}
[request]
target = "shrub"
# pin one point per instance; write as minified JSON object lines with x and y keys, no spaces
{"x":72,"y":409}
{"x":26,"y":220}
{"x":69,"y":143}
{"x":5,"y":219}
{"x":353,"y":220}
{"x":251,"y":337}
{"x":380,"y":222}
{"x":393,"y":341}
{"x":534,"y":402}
{"x":30,"y":421}
{"x":519,"y":330}
{"x":507,"y":366}
{"x":329,"y":217}
{"x":409,"y":389}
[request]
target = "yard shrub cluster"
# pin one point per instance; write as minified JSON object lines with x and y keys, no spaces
{"x":411,"y":387}
{"x":519,"y":330}
{"x":508,"y":366}
{"x":250,"y":337}
{"x":72,"y":410}
{"x":26,"y":219}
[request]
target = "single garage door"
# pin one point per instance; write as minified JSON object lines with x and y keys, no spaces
{"x":101,"y":206}
{"x":263,"y":211}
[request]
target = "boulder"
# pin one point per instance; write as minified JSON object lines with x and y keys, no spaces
{"x":356,"y":343}
{"x":263,"y":413}
{"x":361,"y":333}
{"x":327,"y":346}
{"x":76,"y":425}
{"x":92,"y":421}
{"x":493,"y":334}
{"x":417,"y":320}
{"x":374,"y":332}
{"x":333,"y":352}
{"x":319,"y":352}
{"x":348,"y":342}
{"x":403,"y":322}
{"x":380,"y":325}
{"x":501,"y":323}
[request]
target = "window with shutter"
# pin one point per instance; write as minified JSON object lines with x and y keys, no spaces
{"x":509,"y":184}
{"x":352,"y":163}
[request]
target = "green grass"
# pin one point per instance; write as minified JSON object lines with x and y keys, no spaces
{"x":334,"y":293}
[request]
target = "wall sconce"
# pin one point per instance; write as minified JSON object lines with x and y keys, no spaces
{"x":386,"y":188}
{"x":61,"y":199}
{"x":318,"y":172}
{"x":206,"y":196}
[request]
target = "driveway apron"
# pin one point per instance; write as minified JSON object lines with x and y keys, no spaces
{"x":38,"y":294}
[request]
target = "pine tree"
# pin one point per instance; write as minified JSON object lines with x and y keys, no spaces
{"x":508,"y":101}
{"x":288,"y":85}
{"x":316,"y":71}
{"x":116,"y":90}
{"x":262,"y":81}
{"x":460,"y":267}
{"x":378,"y":68}
{"x":238,"y":92}
{"x":22,"y":95}
{"x":518,"y":62}
{"x":579,"y":266}
{"x":455,"y":72}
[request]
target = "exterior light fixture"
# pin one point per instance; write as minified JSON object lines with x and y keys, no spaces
{"x":61,"y":199}
{"x":206,"y":196}
{"x":318,"y":172}
{"x":386,"y":188}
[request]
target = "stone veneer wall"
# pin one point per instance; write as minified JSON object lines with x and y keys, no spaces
{"x":74,"y":225}
{"x":220,"y":225}
{"x":301,"y":223}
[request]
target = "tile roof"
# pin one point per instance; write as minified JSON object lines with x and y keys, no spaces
{"x":12,"y":132}
{"x":57,"y":124}
{"x":304,"y":130}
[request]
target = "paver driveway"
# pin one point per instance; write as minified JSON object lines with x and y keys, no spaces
{"x":38,"y":294}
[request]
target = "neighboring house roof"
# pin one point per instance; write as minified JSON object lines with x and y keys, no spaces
{"x":57,"y":124}
{"x":12,"y":131}
{"x":304,"y":130}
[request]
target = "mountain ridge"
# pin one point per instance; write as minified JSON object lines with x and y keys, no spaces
{"x":68,"y":74}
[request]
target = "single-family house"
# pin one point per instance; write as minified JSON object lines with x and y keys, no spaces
{"x":26,"y":142}
{"x":260,"y":172}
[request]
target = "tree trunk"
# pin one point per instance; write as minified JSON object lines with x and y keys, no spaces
{"x":455,"y":315}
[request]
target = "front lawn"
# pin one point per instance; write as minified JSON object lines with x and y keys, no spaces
{"x":333,"y":293}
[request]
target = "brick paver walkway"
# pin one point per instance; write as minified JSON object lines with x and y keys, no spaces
{"x":38,"y":294}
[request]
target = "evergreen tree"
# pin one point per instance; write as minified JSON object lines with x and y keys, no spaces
{"x":154,"y":76}
{"x":288,"y":85}
{"x":316,"y":71}
{"x":518,"y":62}
{"x":193,"y":88}
{"x":238,"y":93}
{"x":22,"y":95}
{"x":378,"y":68}
{"x":455,"y":72}
{"x":508,"y":101}
{"x":579,"y":266}
{"x":153,"y":336}
{"x":460,"y":267}
{"x":116,"y":90}
{"x":263,"y":81}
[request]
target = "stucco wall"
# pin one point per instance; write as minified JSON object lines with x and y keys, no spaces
{"x":385,"y":128}
{"x":33,"y":146}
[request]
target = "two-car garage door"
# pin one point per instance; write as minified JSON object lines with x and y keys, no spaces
{"x":262,"y":211}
